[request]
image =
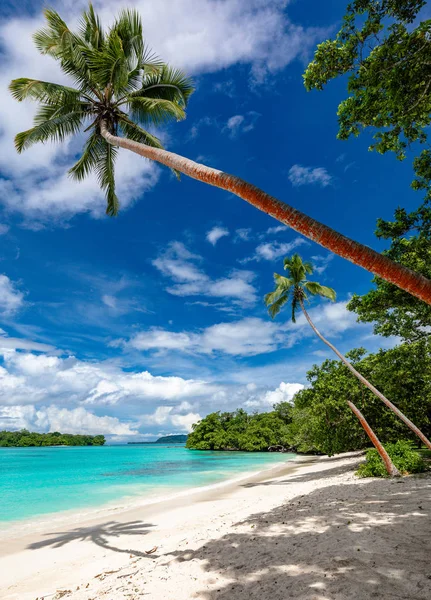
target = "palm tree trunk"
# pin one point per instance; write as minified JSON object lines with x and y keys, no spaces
{"x":389,"y":465}
{"x":361,"y":255}
{"x":362,"y":379}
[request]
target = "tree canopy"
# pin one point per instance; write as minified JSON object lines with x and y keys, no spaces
{"x":241,"y":431}
{"x":319,"y":418}
{"x":385,"y":51}
{"x":24,"y":438}
{"x":393,"y":311}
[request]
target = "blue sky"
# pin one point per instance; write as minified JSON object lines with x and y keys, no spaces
{"x":139,"y":325}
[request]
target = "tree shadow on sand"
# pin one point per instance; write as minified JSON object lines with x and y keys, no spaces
{"x":101,"y":535}
{"x":362,"y":541}
{"x":313,"y":476}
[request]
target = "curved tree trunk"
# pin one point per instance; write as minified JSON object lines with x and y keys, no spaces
{"x":361,"y":255}
{"x":389,"y":465}
{"x":362,"y":379}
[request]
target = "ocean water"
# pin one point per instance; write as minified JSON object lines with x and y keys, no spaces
{"x":36,"y":482}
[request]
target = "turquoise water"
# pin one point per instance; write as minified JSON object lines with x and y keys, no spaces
{"x":40,"y":481}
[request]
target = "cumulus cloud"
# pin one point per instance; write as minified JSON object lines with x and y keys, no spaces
{"x":52,"y":418}
{"x":11,"y":299}
{"x":299,"y":175}
{"x":178,"y":263}
{"x":172,"y":417}
{"x":216,"y":233}
{"x":284,"y":393}
{"x":245,"y":337}
{"x":27,"y":378}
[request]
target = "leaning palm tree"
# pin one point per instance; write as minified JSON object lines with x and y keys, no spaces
{"x":295,"y":289}
{"x":120,"y":89}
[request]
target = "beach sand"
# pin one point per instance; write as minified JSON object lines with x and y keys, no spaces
{"x":306,"y":530}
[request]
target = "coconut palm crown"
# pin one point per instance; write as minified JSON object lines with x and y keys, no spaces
{"x":295,"y":287}
{"x":117,"y":80}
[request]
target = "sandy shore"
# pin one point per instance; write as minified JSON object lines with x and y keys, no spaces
{"x":306,"y":530}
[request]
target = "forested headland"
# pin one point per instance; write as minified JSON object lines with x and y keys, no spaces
{"x":24,"y":438}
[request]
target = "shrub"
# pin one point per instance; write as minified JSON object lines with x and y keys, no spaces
{"x":403,"y":456}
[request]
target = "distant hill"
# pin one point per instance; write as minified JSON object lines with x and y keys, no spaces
{"x":172,"y":439}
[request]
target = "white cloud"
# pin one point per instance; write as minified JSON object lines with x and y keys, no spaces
{"x":190,"y":280}
{"x":299,"y":175}
{"x":11,"y":299}
{"x":13,"y":343}
{"x":276,"y":229}
{"x":321,"y":263}
{"x":239,"y":124}
{"x":216,"y":233}
{"x":245,"y":337}
{"x":51,"y":418}
{"x":274,"y":250}
{"x":284,"y":393}
{"x":28,"y":378}
{"x":245,"y":234}
{"x":3,"y":228}
{"x":168,"y":415}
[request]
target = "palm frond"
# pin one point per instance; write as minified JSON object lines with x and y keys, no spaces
{"x":320,"y":290}
{"x":91,"y":29}
{"x":167,"y":84}
{"x":276,"y":306}
{"x":53,"y":38}
{"x":42,"y":91}
{"x":56,"y":128}
{"x":128,"y":27}
{"x":284,"y":283}
{"x":132,"y":131}
{"x":295,"y":304}
{"x":154,"y":110}
{"x":92,"y":155}
{"x":106,"y":176}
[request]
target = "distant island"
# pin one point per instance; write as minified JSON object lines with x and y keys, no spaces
{"x":172,"y":439}
{"x":166,"y":439}
{"x":24,"y":439}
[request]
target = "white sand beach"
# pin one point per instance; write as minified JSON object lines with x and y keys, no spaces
{"x":306,"y":530}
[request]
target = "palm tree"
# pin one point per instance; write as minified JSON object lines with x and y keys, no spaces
{"x":121,"y":88}
{"x":294,"y":289}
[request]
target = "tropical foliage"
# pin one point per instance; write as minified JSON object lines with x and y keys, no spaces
{"x":241,"y":431}
{"x":319,"y":420}
{"x":26,"y":438}
{"x":322,"y":421}
{"x":116,"y":79}
{"x":393,"y":311}
{"x":385,"y":51}
{"x":295,"y":288}
{"x":403,"y":456}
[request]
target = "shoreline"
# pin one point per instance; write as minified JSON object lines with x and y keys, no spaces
{"x":308,"y":529}
{"x":18,"y":528}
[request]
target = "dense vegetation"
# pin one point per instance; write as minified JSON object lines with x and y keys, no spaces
{"x":393,"y":311}
{"x":26,"y":438}
{"x":385,"y":50}
{"x":403,"y":456}
{"x":319,"y":419}
{"x":241,"y":431}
